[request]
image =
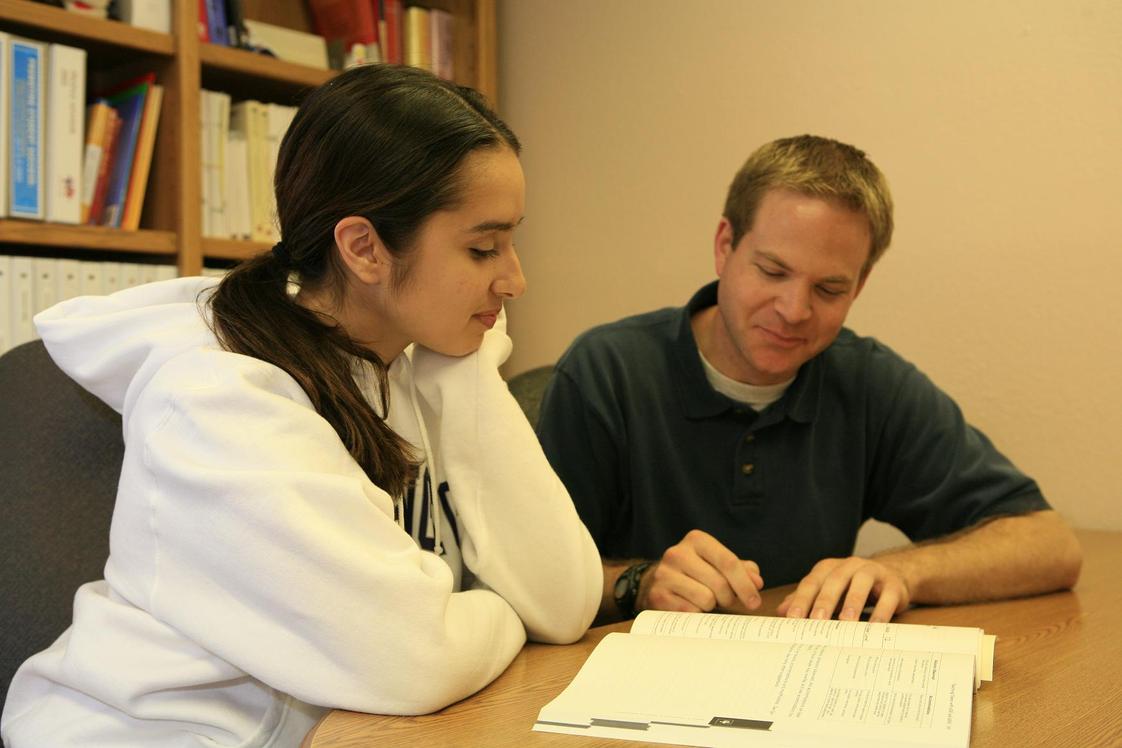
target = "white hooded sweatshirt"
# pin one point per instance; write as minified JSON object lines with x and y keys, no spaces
{"x":256,"y":576}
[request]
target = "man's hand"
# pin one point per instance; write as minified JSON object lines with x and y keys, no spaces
{"x":859,"y":580}
{"x":700,"y":574}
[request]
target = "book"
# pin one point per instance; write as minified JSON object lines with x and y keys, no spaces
{"x":142,"y":161}
{"x":216,"y":22}
{"x":5,"y":85}
{"x":214,"y":108}
{"x":727,"y":680}
{"x":440,"y":33}
{"x":112,"y":277}
{"x":278,"y":117}
{"x":27,"y":90}
{"x":418,"y":38}
{"x":65,"y":137}
{"x":286,"y":44}
{"x":130,"y":274}
{"x":128,"y":100}
{"x":204,"y":22}
{"x":236,"y":35}
{"x":90,"y":281}
{"x":88,"y":8}
{"x":44,"y":283}
{"x":251,"y":119}
{"x":104,"y":167}
{"x":392,"y":21}
{"x":238,"y":222}
{"x":97,"y":122}
{"x":154,"y":15}
{"x":353,"y":22}
{"x":69,"y":279}
{"x":21,"y":301}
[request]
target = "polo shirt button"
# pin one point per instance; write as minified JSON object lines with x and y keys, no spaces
{"x":747,"y":468}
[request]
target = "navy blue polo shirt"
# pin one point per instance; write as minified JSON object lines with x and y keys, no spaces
{"x":649,"y":450}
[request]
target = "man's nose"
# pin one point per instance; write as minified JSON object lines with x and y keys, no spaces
{"x":794,"y":303}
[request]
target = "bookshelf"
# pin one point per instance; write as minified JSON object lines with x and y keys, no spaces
{"x":170,"y":224}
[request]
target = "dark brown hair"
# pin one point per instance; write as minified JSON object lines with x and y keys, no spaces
{"x":382,"y":142}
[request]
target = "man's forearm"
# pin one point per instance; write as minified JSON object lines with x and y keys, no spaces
{"x":1014,"y":556}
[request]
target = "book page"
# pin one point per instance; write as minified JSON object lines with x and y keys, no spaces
{"x":863,"y":634}
{"x":723,"y":692}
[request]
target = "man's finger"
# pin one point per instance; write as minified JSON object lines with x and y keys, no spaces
{"x":886,"y":606}
{"x":859,"y":588}
{"x":733,"y":572}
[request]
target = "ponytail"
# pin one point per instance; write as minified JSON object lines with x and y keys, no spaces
{"x":254,"y":315}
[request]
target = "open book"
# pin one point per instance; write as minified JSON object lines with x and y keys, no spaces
{"x":705,"y":679}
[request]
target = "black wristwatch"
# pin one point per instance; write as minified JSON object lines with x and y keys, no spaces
{"x":626,"y":589}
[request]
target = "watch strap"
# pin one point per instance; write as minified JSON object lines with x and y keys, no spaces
{"x":627,"y":594}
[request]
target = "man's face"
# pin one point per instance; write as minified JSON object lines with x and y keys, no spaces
{"x":785,"y":289}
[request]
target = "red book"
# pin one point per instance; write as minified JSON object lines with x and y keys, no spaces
{"x":391,"y":45}
{"x":352,"y":21}
{"x":204,"y":23}
{"x":108,"y":155}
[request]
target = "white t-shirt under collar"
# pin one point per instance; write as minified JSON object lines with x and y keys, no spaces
{"x":754,"y":396}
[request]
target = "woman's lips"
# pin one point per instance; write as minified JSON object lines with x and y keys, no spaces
{"x":488,"y":319}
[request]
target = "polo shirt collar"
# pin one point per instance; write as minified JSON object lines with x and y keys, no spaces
{"x":700,"y":400}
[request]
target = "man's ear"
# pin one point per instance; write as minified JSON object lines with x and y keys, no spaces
{"x":722,"y":245}
{"x":861,"y":282}
{"x":362,"y":251}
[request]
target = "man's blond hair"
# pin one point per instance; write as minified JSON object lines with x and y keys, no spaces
{"x":818,"y":167}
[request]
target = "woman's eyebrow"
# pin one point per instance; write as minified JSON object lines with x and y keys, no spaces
{"x":486,"y":226}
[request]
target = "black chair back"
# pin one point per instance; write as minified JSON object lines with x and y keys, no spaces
{"x":60,"y":460}
{"x":528,"y":388}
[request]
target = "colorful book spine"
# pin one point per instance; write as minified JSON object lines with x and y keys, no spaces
{"x":441,"y":30}
{"x":108,"y":153}
{"x":142,"y":163}
{"x":216,"y":21}
{"x":129,"y":104}
{"x":418,"y":38}
{"x":66,"y":95}
{"x":26,"y":129}
{"x":97,"y":122}
{"x":393,"y":13}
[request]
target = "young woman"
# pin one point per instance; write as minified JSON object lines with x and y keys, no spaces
{"x":328,"y":498}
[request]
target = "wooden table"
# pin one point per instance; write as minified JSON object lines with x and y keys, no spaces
{"x":1057,"y":676}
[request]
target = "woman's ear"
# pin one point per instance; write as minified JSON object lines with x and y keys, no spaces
{"x":362,"y":251}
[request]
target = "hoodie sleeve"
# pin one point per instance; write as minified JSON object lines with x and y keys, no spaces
{"x":523,"y":538}
{"x":265,"y":543}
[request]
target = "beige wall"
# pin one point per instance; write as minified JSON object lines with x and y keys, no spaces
{"x":999,"y":125}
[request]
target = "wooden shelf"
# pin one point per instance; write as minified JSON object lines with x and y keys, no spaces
{"x":35,"y":233}
{"x":253,"y":65}
{"x":35,"y":18}
{"x":248,"y":74}
{"x":171,"y":219}
{"x":231,"y":249}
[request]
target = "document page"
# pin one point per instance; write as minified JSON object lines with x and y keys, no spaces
{"x":719,"y":693}
{"x":905,"y":636}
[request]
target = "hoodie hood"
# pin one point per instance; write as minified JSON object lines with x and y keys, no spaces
{"x":112,"y":345}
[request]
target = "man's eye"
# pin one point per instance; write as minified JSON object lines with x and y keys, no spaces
{"x":828,"y":291}
{"x":769,"y":272}
{"x":484,"y":254}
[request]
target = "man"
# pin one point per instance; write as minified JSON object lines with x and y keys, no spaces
{"x":748,"y":435}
